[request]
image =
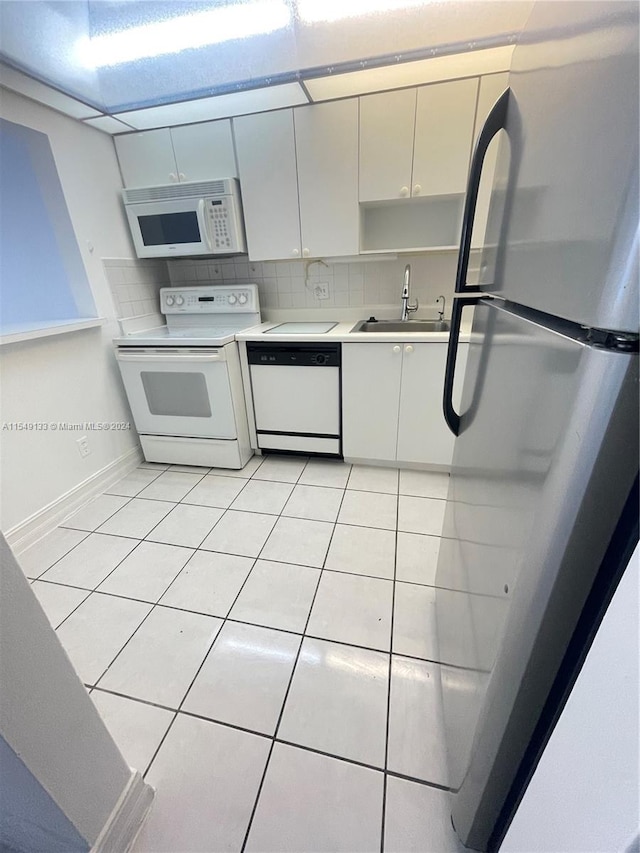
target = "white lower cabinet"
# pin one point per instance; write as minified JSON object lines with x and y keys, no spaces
{"x":392,"y":402}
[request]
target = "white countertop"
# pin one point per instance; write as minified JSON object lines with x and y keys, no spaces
{"x":342,"y":332}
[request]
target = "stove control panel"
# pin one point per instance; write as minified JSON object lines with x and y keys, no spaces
{"x":210,"y":299}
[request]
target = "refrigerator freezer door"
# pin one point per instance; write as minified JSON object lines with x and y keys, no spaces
{"x":570,"y":241}
{"x":545,"y":459}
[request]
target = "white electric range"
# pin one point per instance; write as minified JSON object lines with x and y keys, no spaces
{"x":183,"y":380}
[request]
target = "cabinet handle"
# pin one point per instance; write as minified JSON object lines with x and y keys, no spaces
{"x":296,"y":253}
{"x":397,"y":349}
{"x":181,"y":176}
{"x":173,"y":177}
{"x":305,"y":253}
{"x":408,"y":348}
{"x":404,"y":191}
{"x":417,"y":189}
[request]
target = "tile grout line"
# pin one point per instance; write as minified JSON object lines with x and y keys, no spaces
{"x":300,"y":746}
{"x":255,"y":560}
{"x":137,"y":468}
{"x":95,"y":589}
{"x":391,"y":645}
{"x":288,"y":690}
{"x":270,"y":560}
{"x":202,"y":663}
{"x":237,"y":621}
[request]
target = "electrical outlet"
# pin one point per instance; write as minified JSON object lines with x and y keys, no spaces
{"x":321,"y":290}
{"x":83,"y":446}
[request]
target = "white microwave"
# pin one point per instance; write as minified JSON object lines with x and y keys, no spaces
{"x":191,"y":218}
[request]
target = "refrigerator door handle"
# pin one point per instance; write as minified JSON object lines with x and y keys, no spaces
{"x":450,"y":415}
{"x":496,"y":121}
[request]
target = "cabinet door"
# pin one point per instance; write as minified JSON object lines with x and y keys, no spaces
{"x":491,"y":87}
{"x":146,"y":159}
{"x":370,"y":398}
{"x":386,"y":144}
{"x":445,"y":115}
{"x":423,"y":435}
{"x":327,"y":153}
{"x":204,"y":152}
{"x":267,"y":167}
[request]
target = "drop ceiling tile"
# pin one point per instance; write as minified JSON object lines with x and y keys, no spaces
{"x":416,"y":73}
{"x":108,"y":124}
{"x":220,"y":106}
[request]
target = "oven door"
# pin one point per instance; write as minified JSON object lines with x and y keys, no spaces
{"x":162,"y":229}
{"x":178,"y":391}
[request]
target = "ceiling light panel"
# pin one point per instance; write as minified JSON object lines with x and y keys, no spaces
{"x":188,"y":31}
{"x":222,"y":106}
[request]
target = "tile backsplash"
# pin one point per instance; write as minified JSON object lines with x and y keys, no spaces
{"x":292,"y":284}
{"x":135,"y":284}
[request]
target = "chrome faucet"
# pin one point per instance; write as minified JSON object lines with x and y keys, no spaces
{"x":441,"y":311}
{"x":407,"y":307}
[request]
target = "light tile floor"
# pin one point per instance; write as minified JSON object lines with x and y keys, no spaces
{"x":261,"y":644}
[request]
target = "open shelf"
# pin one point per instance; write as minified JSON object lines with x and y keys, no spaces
{"x":415,"y":224}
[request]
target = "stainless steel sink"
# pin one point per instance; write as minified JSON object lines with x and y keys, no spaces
{"x":401,"y":326}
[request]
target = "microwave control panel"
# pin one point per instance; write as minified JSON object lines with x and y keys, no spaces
{"x":210,"y":299}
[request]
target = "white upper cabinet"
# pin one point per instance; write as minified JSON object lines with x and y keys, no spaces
{"x":204,"y":151}
{"x":299,"y":178}
{"x":327,"y":153}
{"x":194,"y":152}
{"x":265,"y":145}
{"x":443,"y":137}
{"x":386,"y":144}
{"x":416,"y":142}
{"x":491,"y":87}
{"x":146,"y":159}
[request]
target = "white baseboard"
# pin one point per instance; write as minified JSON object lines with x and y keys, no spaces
{"x":127,"y":818}
{"x":23,"y":535}
{"x":408,"y":466}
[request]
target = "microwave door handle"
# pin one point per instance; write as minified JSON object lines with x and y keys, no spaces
{"x":204,"y":228}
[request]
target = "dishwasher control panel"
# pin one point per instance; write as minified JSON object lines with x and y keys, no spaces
{"x":294,"y":355}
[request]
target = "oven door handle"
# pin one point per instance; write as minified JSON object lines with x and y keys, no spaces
{"x":174,"y":358}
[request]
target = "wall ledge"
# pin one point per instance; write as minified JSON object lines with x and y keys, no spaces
{"x":62,"y":328}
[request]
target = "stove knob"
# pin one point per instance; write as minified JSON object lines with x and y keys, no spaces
{"x":232,"y":299}
{"x":242,"y":299}
{"x":169,"y":300}
{"x":179,"y":300}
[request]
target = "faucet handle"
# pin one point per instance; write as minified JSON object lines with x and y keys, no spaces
{"x":413,"y":307}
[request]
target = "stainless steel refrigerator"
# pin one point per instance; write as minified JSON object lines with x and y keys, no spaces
{"x":542,"y":510}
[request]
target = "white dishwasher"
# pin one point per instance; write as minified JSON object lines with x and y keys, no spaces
{"x":296,"y":396}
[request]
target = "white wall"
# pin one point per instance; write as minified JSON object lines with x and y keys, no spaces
{"x":585,"y":792}
{"x":72,"y":377}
